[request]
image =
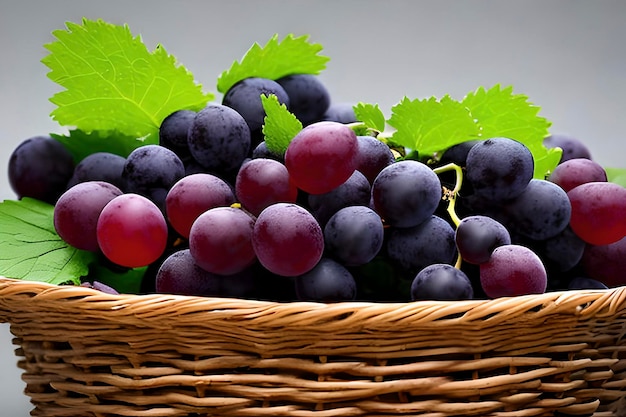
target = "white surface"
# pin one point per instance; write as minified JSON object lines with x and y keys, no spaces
{"x":567,"y":56}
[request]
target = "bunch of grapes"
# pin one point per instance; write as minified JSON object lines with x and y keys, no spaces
{"x":211,"y":211}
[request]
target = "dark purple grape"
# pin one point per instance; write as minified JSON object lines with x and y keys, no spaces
{"x":179,"y":274}
{"x":560,"y":253}
{"x":406,"y":193}
{"x":340,"y":113}
{"x":328,"y":281}
{"x":354,"y":235}
{"x":152,"y":167}
{"x":308,"y":97}
{"x":499,"y":168}
{"x":100,"y":166}
{"x":354,"y":192}
{"x":541,"y":211}
{"x":77,"y":210}
{"x":261,"y":151}
{"x":373,"y":156}
{"x":40,"y":167}
{"x":585,"y":283}
{"x":572,"y":147}
{"x":245,"y":98}
{"x":219,"y":139}
{"x":477,"y":236}
{"x":441,"y":282}
{"x":457,"y":154}
{"x":414,"y":248}
{"x":96,"y":285}
{"x":606,"y":263}
{"x":174,"y":130}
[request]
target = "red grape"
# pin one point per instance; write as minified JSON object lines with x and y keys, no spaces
{"x":77,"y":210}
{"x":513,"y":270}
{"x":220,"y":240}
{"x":193,"y":195}
{"x":322,"y":156}
{"x":287,"y":239}
{"x":132,"y":231}
{"x":598,"y":212}
{"x":262,"y":182}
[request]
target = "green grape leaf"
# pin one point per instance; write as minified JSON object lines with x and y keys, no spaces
{"x":431,"y":125}
{"x":81,"y":144}
{"x":292,"y":55}
{"x":616,"y":175}
{"x":500,"y":113}
{"x":112,"y":82}
{"x":370,"y":115}
{"x":30,"y":248}
{"x":280,"y":125}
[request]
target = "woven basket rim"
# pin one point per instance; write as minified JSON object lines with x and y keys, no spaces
{"x":39,"y":287}
{"x":584,"y":303}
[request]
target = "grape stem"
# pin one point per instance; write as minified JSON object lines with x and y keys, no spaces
{"x":451,"y":195}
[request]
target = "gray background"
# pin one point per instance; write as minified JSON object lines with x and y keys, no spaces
{"x":569,"y":57}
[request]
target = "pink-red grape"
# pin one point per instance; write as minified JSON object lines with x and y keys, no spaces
{"x":322,"y":156}
{"x":513,"y":270}
{"x":77,"y":210}
{"x":193,"y":195}
{"x":287,"y":239}
{"x":132,"y":231}
{"x":220,"y":240}
{"x":598,"y":212}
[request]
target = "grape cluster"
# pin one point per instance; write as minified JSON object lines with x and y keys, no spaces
{"x":212,"y":212}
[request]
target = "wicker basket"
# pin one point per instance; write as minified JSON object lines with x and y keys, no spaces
{"x":85,"y":353}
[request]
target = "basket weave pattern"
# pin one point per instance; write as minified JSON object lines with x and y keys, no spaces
{"x":85,"y":353}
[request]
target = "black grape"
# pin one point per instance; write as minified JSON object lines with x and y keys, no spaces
{"x":561,"y":252}
{"x":308,"y":97}
{"x":477,"y":236}
{"x":414,"y":248}
{"x":40,"y":167}
{"x":341,"y":113}
{"x":406,"y":193}
{"x":261,"y":151}
{"x":441,"y":282}
{"x":572,"y":147}
{"x":457,"y":154}
{"x":584,"y":283}
{"x":219,"y":139}
{"x":373,"y":156}
{"x":354,"y":192}
{"x":328,"y":281}
{"x":100,"y":166}
{"x":541,"y":211}
{"x":354,"y":235}
{"x":245,"y":98}
{"x":499,"y":168}
{"x":173,"y":133}
{"x":151,"y":170}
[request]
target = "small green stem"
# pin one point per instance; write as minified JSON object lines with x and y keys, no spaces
{"x":451,"y":195}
